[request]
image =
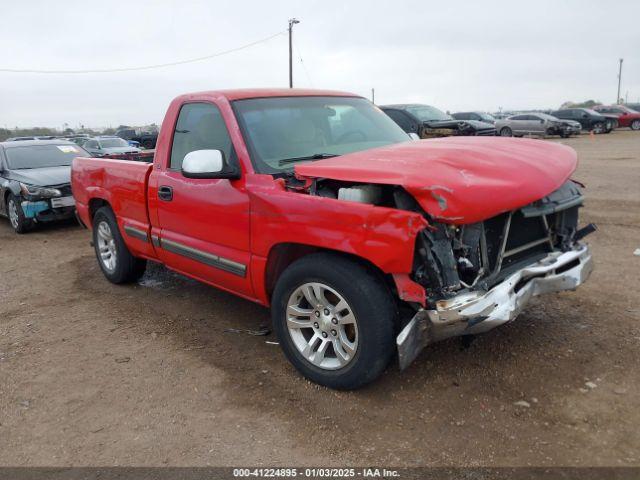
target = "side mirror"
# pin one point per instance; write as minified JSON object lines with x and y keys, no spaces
{"x":414,"y":136}
{"x":207,"y":164}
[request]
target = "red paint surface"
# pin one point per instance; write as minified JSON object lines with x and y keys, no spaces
{"x":244,"y":220}
{"x":459,"y":179}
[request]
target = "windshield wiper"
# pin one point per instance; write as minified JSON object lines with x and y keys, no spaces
{"x":315,"y":156}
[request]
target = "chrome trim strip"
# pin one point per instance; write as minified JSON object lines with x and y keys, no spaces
{"x":136,"y":233}
{"x":204,"y":257}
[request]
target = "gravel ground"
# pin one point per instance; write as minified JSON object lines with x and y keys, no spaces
{"x":97,"y":374}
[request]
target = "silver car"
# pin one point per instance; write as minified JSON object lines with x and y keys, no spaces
{"x":101,"y":146}
{"x":532,"y":124}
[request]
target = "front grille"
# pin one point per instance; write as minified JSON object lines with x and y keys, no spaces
{"x":525,"y":238}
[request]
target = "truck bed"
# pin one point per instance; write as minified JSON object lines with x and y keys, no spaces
{"x":120,"y":183}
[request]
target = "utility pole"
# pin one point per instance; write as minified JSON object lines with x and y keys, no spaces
{"x":292,"y":22}
{"x":373,"y":96}
{"x":619,"y":81}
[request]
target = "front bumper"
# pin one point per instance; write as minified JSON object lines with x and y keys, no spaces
{"x":476,"y":312}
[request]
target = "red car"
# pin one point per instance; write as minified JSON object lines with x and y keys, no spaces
{"x":626,"y":116}
{"x":365,"y":244}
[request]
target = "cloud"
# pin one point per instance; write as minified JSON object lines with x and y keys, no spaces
{"x":456,"y":55}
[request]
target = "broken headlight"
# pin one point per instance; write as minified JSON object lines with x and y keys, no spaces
{"x":40,"y":192}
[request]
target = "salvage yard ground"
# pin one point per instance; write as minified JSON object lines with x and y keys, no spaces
{"x":158,"y":374}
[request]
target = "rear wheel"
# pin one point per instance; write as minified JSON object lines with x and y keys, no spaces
{"x":19,"y":222}
{"x":506,"y":132}
{"x":635,"y":125}
{"x":114,"y":258}
{"x":598,"y":127}
{"x":335,"y":320}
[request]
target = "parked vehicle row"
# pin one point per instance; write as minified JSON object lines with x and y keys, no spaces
{"x":426,"y":121}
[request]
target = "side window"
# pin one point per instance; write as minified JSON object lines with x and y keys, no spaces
{"x":200,"y":126}
{"x":519,"y":117}
{"x":92,"y":144}
{"x":403,"y":121}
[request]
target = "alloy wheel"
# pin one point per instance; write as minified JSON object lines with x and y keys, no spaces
{"x":322,"y":326}
{"x":107,"y":246}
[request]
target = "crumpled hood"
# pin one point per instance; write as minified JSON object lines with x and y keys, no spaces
{"x":42,"y":177}
{"x":458,"y":179}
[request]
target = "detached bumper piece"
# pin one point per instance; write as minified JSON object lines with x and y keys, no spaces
{"x":476,"y":312}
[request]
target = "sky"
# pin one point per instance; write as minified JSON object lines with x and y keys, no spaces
{"x":457,"y":55}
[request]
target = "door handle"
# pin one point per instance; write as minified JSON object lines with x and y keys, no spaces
{"x":165,"y":193}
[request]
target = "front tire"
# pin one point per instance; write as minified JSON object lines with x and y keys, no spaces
{"x":335,"y":320}
{"x":635,"y":125}
{"x":506,"y":132}
{"x":598,"y":128}
{"x":114,"y":258}
{"x":17,"y":219}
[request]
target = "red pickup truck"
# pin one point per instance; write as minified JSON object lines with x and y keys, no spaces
{"x":364,"y":243}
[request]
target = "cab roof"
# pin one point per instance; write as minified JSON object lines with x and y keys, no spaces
{"x":242,"y":94}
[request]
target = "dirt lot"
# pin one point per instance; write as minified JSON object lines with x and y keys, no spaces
{"x":97,"y":374}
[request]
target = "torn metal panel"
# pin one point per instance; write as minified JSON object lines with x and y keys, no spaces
{"x":476,"y":312}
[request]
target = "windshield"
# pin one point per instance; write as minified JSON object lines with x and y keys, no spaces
{"x":283,"y":131}
{"x":113,"y":143}
{"x":591,"y":112}
{"x":42,"y":156}
{"x":487,"y":117}
{"x":426,"y":113}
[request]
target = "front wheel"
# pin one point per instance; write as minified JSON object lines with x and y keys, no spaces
{"x":19,"y":222}
{"x":506,"y":132}
{"x":335,"y":320}
{"x":598,"y":127}
{"x":635,"y":125}
{"x":114,"y":258}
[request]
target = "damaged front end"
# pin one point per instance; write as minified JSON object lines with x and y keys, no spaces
{"x":45,"y":204}
{"x":481,"y":275}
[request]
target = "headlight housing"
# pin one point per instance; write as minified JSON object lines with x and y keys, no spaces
{"x":41,"y":192}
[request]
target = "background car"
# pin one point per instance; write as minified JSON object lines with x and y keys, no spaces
{"x":142,"y":138}
{"x":108,"y":145}
{"x":534,"y":123}
{"x":480,"y":116}
{"x":626,"y":116}
{"x":35,"y":181}
{"x":633,"y":106}
{"x":429,"y":122}
{"x":589,"y":119}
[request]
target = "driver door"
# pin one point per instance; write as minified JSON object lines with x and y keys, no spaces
{"x":204,"y":223}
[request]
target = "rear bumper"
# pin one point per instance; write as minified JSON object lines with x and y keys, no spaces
{"x":471,"y":313}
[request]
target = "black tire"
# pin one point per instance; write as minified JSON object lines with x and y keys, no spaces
{"x":21,"y":224}
{"x":635,"y":125}
{"x":371,"y":302}
{"x":127,"y":268}
{"x":506,"y":132}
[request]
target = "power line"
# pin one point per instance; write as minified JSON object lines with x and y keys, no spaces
{"x":144,"y":67}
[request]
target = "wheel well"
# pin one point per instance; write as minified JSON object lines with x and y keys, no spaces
{"x":95,"y":204}
{"x":284,"y":254}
